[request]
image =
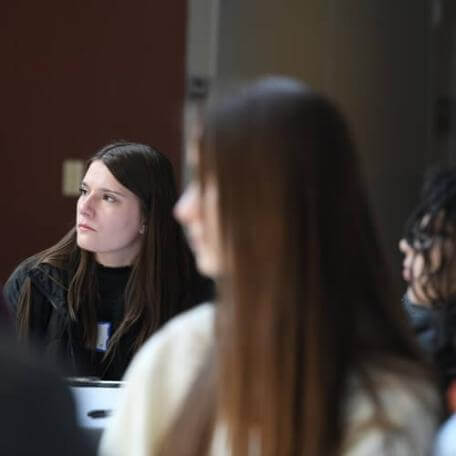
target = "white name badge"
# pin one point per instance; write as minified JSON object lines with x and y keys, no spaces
{"x":103,"y":335}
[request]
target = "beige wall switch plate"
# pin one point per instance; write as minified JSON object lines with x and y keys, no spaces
{"x":71,"y":176}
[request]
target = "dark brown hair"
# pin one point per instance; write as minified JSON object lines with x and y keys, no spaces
{"x":160,"y":275}
{"x":431,"y":227}
{"x":305,"y":298}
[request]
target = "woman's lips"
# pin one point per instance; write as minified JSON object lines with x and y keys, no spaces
{"x":84,"y":227}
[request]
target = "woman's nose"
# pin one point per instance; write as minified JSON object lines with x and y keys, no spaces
{"x":404,"y":246}
{"x":185,"y":207}
{"x":86,"y":207}
{"x":408,"y":251}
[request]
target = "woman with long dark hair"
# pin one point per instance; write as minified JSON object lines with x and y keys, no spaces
{"x":306,"y":351}
{"x":94,"y":297}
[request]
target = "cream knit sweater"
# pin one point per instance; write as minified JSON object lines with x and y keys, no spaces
{"x":161,"y":373}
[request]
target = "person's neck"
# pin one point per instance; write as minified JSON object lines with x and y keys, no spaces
{"x":113,"y":261}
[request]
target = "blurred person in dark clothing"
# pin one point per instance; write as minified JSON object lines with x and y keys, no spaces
{"x":429,"y":268}
{"x":37,"y":413}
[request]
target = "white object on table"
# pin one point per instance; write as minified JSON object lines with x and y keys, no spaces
{"x":95,"y":400}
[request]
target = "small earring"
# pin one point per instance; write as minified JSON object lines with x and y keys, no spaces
{"x":142,"y":229}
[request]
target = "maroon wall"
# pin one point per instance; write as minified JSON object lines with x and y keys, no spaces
{"x":74,"y":76}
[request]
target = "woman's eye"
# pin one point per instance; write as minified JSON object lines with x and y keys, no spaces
{"x":109,"y":198}
{"x":82,"y":191}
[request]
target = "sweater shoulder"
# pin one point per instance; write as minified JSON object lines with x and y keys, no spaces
{"x":184,"y":338}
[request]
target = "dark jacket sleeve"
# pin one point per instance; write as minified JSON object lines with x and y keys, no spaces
{"x":40,"y":309}
{"x":11,"y":291}
{"x":422,"y":321}
{"x":13,"y":286}
{"x":4,"y":312}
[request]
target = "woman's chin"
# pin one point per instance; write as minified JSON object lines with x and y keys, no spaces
{"x":207,"y":266}
{"x":84,"y":245}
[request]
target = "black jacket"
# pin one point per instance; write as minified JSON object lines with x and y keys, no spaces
{"x":436,"y":332}
{"x":52,"y":328}
{"x":49,"y":319}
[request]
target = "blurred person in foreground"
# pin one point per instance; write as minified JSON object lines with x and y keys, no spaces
{"x":37,"y":410}
{"x":305,"y":351}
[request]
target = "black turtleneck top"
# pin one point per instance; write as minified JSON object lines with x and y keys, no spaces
{"x":112,"y":283}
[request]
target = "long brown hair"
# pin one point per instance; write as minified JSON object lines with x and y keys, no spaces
{"x":305,"y":297}
{"x":160,"y":276}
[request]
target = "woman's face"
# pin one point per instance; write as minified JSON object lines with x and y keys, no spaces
{"x":197,"y":211}
{"x":414,"y":271}
{"x":108,"y":218}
